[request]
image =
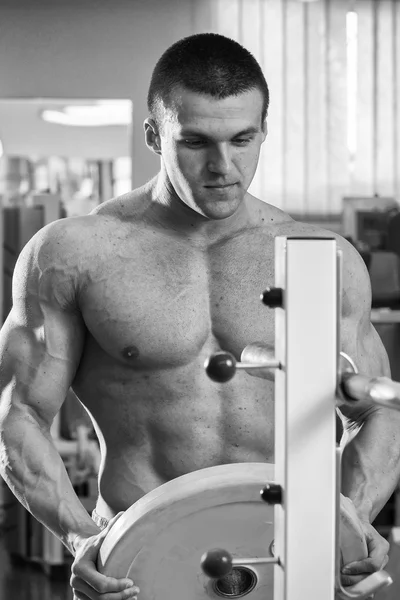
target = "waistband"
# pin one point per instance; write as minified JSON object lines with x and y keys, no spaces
{"x":101,"y":522}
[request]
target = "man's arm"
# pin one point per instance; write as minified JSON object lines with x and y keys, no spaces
{"x":40,"y":348}
{"x":371,"y":460}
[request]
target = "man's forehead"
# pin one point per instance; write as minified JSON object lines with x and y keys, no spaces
{"x":186,"y":101}
{"x":190,"y":110}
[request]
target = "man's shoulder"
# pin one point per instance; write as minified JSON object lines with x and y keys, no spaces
{"x":50,"y":265}
{"x":268,"y":213}
{"x":295,"y":228}
{"x":88,"y":231}
{"x":126,"y":206}
{"x":64,"y":235}
{"x":355,"y":273}
{"x":284,"y":224}
{"x":63,"y":249}
{"x":91,"y":232}
{"x":287,"y":226}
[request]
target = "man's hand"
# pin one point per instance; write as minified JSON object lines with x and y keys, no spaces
{"x":377,"y":559}
{"x":87,"y":583}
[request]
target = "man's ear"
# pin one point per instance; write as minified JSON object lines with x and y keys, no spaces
{"x":152,"y":135}
{"x":264,"y":129}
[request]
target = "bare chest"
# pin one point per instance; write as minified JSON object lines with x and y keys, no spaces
{"x":158,"y":305}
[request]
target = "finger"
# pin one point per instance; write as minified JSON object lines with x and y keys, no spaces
{"x":368,"y":565}
{"x":378,"y":554}
{"x":91,"y":581}
{"x":79,"y":596}
{"x":378,"y":549}
{"x":129,"y":593}
{"x":363,"y":566}
{"x":348,"y":580}
{"x":87,"y":573}
{"x":377,"y":545}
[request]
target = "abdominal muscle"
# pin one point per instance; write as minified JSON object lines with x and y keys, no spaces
{"x":173,"y":423}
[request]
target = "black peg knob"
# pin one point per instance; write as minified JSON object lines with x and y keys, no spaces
{"x":216,"y":563}
{"x":273,"y":297}
{"x":220,"y":367}
{"x":272,"y":493}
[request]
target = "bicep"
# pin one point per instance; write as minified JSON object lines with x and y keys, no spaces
{"x":40,"y":343}
{"x":359,"y":339}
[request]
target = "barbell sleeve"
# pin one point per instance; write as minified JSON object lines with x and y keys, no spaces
{"x":270,"y":364}
{"x":380,"y":391}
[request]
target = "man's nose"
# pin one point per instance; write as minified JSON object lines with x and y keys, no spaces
{"x":219,"y":160}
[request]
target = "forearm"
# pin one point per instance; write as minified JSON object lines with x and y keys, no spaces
{"x":371,"y":463}
{"x":35,"y":473}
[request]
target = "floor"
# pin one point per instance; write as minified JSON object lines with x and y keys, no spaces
{"x":24,"y":582}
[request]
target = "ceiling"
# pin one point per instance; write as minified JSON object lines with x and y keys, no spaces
{"x":23,"y":133}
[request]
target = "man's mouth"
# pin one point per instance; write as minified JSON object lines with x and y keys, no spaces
{"x":225,"y":185}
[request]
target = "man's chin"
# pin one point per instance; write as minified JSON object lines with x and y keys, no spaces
{"x":220,"y":211}
{"x":218,"y":206}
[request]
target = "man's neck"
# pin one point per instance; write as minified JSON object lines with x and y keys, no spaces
{"x":169,"y":211}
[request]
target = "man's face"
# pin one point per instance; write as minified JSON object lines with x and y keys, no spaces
{"x":210,"y":149}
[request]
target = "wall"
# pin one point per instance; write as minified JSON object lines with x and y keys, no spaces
{"x":92,"y":49}
{"x":307,"y":164}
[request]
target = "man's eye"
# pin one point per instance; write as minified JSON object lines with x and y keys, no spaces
{"x":195,"y":143}
{"x":242,"y":141}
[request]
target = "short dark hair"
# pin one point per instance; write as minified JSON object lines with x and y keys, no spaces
{"x":206,"y":63}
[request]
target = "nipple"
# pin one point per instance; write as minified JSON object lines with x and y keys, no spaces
{"x":130,"y":352}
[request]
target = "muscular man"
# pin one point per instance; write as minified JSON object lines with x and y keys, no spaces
{"x":125,"y":305}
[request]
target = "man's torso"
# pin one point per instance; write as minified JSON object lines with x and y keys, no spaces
{"x":156,"y":304}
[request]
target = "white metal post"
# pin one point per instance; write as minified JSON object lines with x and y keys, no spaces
{"x":306,"y":345}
